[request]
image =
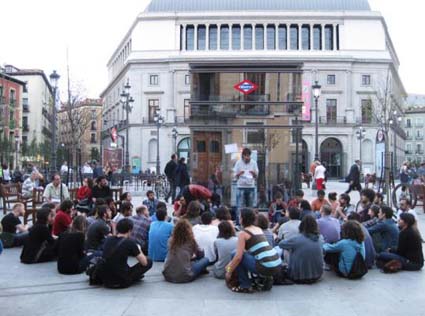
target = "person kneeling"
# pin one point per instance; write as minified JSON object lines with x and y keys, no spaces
{"x":115,"y":272}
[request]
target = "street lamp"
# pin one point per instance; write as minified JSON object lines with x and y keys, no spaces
{"x":316,"y":93}
{"x":395,"y":121}
{"x":126,"y":100}
{"x":17,"y":138}
{"x":54,"y":78}
{"x":174,"y":133}
{"x":361,"y":133}
{"x":159,"y":120}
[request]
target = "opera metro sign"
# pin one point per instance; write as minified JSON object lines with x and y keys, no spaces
{"x":246,"y":87}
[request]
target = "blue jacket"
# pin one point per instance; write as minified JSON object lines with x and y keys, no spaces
{"x":347,"y":248}
{"x":388,"y":231}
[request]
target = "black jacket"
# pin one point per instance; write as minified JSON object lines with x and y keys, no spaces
{"x":182,"y":176}
{"x":354,"y":174}
{"x":410,"y":246}
{"x":170,"y":170}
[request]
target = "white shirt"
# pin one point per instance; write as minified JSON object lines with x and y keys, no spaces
{"x":246,"y":180}
{"x":6,"y":175}
{"x":289,"y":229}
{"x":319,"y":172}
{"x":64,"y":169}
{"x":411,"y":211}
{"x":205,"y":235}
{"x":87,"y":169}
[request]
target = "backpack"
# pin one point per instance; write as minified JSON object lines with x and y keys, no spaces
{"x":359,"y":267}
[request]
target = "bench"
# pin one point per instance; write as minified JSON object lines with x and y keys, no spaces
{"x":10,"y":193}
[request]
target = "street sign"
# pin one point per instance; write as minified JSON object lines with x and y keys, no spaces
{"x":246,"y":87}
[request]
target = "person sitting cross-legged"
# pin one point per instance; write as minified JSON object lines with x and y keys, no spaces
{"x":72,"y":259}
{"x":205,"y":234}
{"x":329,"y":226}
{"x":253,"y":254}
{"x":306,"y":257}
{"x":185,"y":261}
{"x":224,"y":245}
{"x":159,"y":234}
{"x":141,"y":224}
{"x":40,"y":246}
{"x":340,"y":256}
{"x":14,"y":232}
{"x":408,"y":255}
{"x":116,"y":273}
{"x":385,"y":232}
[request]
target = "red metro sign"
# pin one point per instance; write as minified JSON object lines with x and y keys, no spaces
{"x":246,"y":87}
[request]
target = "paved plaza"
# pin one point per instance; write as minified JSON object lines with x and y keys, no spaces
{"x":40,"y":290}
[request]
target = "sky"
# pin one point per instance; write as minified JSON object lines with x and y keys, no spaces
{"x":38,"y":34}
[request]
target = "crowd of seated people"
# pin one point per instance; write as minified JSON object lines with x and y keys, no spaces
{"x":295,"y":240}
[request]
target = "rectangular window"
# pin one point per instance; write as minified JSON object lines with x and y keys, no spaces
{"x":255,"y":136}
{"x":409,"y":148}
{"x":236,"y":37}
{"x":202,"y":33}
{"x":331,"y":111}
{"x":12,"y":97}
{"x":212,"y":37}
{"x":186,"y":109}
{"x":331,"y":79}
{"x":305,"y":36}
{"x":282,"y":37}
{"x":271,"y":36}
{"x":190,"y":37}
{"x":408,"y":123}
{"x":153,"y":108}
{"x":366,"y":111}
{"x":153,"y":80}
{"x":329,"y":37}
{"x":317,"y":37}
{"x":187,"y":80}
{"x":365,"y":80}
{"x":247,"y":37}
{"x":224,"y":37}
{"x":93,"y":138}
{"x":201,"y":146}
{"x":294,"y":37}
{"x":1,"y":92}
{"x":259,"y":36}
{"x":419,"y":122}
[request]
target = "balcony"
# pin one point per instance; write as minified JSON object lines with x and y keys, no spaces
{"x":332,"y":121}
{"x":409,"y":137}
{"x":231,"y":110}
{"x":418,"y":137}
{"x":25,"y":128}
{"x":409,"y":152}
{"x":419,"y":152}
{"x":420,"y":125}
{"x":25,"y":108}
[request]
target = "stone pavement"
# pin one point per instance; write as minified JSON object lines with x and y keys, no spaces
{"x":40,"y":290}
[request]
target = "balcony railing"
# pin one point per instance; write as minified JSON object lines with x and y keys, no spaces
{"x":419,"y":125}
{"x":409,"y":137}
{"x":25,"y":108}
{"x":419,"y":137}
{"x":339,"y":120}
{"x":409,"y":152}
{"x":25,"y":128}
{"x":419,"y":152}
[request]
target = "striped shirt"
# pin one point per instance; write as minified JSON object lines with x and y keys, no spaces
{"x":267,"y":259}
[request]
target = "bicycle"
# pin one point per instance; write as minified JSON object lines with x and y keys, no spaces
{"x":404,"y":190}
{"x":162,"y":187}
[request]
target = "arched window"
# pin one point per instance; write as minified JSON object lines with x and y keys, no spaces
{"x":183,"y":149}
{"x":152,"y":150}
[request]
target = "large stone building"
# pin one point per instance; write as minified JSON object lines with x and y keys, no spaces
{"x":186,"y":59}
{"x":37,"y":106}
{"x":11,"y":91}
{"x":414,"y":127}
{"x":79,"y":131}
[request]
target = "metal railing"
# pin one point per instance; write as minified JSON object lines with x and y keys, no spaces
{"x":339,"y":120}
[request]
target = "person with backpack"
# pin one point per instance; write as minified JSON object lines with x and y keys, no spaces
{"x":115,"y":272}
{"x":347,"y":256}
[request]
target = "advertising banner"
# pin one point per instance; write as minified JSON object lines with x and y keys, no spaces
{"x":113,"y":156}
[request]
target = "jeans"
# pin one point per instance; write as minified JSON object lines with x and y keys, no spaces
{"x":199,"y":265}
{"x":172,"y":192}
{"x":247,"y":265}
{"x":244,"y":198}
{"x":406,"y":264}
{"x":19,"y":239}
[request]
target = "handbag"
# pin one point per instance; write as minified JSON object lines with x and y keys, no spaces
{"x":358,"y":268}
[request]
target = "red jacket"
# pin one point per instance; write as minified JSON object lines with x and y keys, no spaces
{"x":83,"y":193}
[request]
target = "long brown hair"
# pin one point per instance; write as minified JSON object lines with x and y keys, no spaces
{"x":352,"y":230}
{"x":182,"y":235}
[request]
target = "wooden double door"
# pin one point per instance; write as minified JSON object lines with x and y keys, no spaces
{"x":207,"y":150}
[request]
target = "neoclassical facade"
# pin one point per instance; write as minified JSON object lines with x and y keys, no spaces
{"x":343,"y":45}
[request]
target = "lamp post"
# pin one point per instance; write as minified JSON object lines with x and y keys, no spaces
{"x":159,"y":120}
{"x":17,"y":138}
{"x":395,"y":121}
{"x":54,"y":78}
{"x":126,"y":100}
{"x":174,"y":133}
{"x":316,"y":93}
{"x":361,"y":132}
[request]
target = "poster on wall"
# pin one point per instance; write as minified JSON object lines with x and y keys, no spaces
{"x":306,"y":97}
{"x":379,"y":153}
{"x":136,"y":164}
{"x":113,"y":156}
